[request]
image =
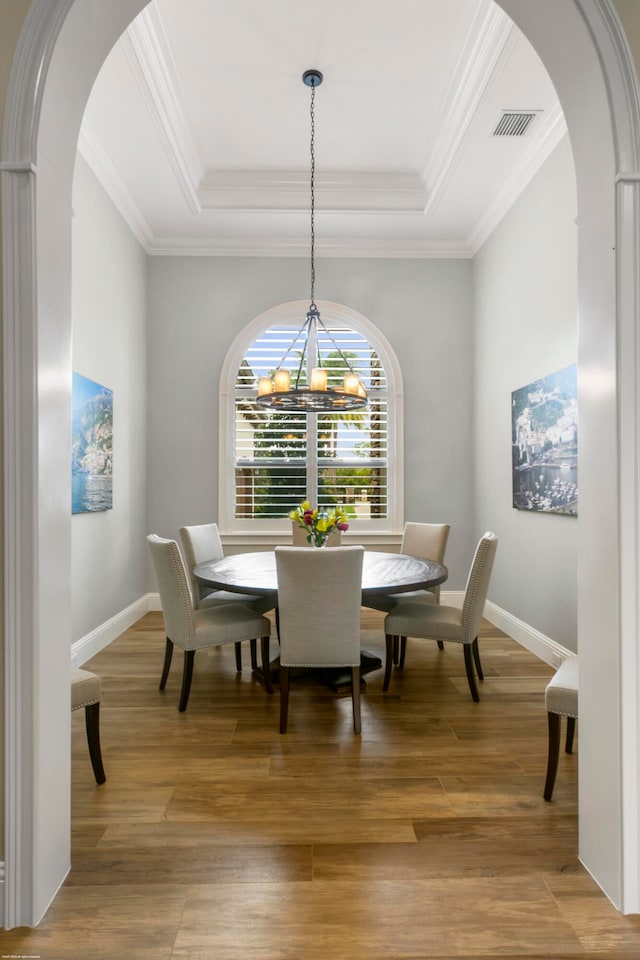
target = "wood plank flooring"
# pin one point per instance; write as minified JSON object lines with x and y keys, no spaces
{"x":426,"y":838}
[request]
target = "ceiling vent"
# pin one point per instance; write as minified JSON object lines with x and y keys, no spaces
{"x":515,"y":123}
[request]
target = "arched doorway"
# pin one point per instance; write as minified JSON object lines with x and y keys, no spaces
{"x":62,"y":47}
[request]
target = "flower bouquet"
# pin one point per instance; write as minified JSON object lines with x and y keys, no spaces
{"x":318,"y":525}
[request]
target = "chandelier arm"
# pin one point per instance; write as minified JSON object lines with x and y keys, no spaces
{"x":294,"y":341}
{"x":303,"y":355}
{"x":328,"y":333}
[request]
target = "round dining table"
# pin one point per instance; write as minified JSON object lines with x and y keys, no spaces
{"x":382,"y":573}
{"x":255,"y":573}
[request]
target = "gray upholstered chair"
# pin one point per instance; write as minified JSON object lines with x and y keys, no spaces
{"x":202,"y":542}
{"x":300,"y":537}
{"x":561,"y":700}
{"x":448,"y":624}
{"x":192,"y":629}
{"x":319,"y":596}
{"x":428,"y":541}
{"x":86,"y":692}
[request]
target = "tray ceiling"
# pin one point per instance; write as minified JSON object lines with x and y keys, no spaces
{"x":198,"y":126}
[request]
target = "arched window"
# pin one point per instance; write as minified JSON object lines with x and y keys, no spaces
{"x":276,"y":460}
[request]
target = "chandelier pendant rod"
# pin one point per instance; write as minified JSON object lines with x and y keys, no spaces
{"x":275,"y":391}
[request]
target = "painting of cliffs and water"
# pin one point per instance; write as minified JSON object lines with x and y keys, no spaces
{"x":91,"y":446}
{"x":544,"y":419}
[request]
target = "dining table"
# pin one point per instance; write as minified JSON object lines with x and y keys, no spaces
{"x":382,"y":573}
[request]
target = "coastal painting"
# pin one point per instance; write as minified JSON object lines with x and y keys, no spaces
{"x":91,"y":446}
{"x":544,"y":420}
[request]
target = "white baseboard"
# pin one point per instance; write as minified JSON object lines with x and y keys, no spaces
{"x":542,"y":646}
{"x":538,"y":643}
{"x":92,"y":643}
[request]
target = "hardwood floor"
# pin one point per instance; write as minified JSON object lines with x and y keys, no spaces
{"x":216,"y":838}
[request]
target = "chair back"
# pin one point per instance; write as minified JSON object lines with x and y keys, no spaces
{"x":319,"y":602}
{"x":175,"y":597}
{"x":478,"y":586}
{"x":425,"y":540}
{"x":300,"y":537}
{"x":199,"y":543}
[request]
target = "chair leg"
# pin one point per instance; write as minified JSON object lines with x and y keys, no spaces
{"x":440,"y":644}
{"x":238,"y":649}
{"x":554,"y":750}
{"x":389,"y":661}
{"x":403,"y":651}
{"x":476,"y":658}
{"x":254,"y":653}
{"x":571,"y":729}
{"x":396,"y":650}
{"x":266,"y":666}
{"x":92,"y":721}
{"x":284,"y":697}
{"x":168,"y":653}
{"x":468,"y":662}
{"x":355,"y":696}
{"x":187,"y":674}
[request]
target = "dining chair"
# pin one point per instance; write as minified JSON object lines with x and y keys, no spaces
{"x":300,"y":537}
{"x":428,"y":541}
{"x":427,"y":621}
{"x":202,"y":542}
{"x":319,"y":596}
{"x":86,"y":692}
{"x":561,"y":700}
{"x":192,"y":629}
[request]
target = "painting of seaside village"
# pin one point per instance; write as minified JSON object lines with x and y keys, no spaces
{"x":544,"y":417}
{"x":91,"y":446}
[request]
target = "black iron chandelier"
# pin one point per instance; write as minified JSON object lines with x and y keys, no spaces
{"x":283,"y":391}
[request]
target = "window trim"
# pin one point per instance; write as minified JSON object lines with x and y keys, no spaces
{"x":293,"y":312}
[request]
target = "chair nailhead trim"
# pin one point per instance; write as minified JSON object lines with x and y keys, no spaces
{"x":87,"y":704}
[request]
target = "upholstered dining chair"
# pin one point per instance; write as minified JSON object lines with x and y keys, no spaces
{"x":202,"y":542}
{"x":448,"y":624}
{"x":86,"y":688}
{"x":561,"y":700}
{"x":319,"y":596}
{"x":192,"y":629}
{"x":300,"y":537}
{"x":428,"y":541}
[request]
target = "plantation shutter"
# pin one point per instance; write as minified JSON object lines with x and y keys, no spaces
{"x":282,"y":459}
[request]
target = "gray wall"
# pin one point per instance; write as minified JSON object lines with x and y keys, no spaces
{"x":466,"y":335}
{"x":198,"y":305}
{"x":525,"y":284}
{"x":108,"y":550}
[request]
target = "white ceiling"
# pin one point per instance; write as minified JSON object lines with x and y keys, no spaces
{"x":198,"y":125}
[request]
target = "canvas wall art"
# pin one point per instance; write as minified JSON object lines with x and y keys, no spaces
{"x":544,"y":418}
{"x":91,"y":446}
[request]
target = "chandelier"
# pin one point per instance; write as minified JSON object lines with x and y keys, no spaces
{"x":291,"y":391}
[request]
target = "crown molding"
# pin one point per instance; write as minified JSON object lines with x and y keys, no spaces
{"x":92,"y":149}
{"x":288,"y":192}
{"x":339,"y":249}
{"x":491,"y":35}
{"x":552,"y":129}
{"x":148,"y":53}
